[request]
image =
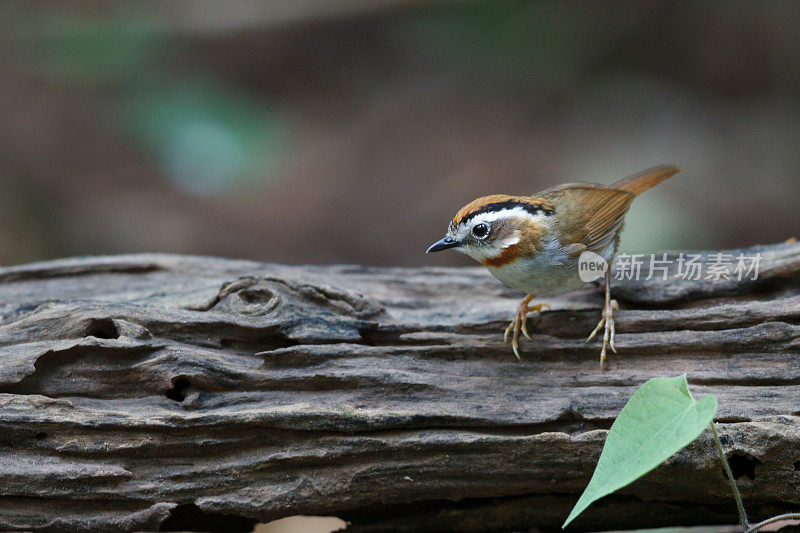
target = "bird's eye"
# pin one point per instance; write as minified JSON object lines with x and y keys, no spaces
{"x":480,"y":231}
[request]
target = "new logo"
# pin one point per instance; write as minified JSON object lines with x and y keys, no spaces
{"x":591,"y":266}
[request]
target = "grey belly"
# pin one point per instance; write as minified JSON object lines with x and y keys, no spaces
{"x":539,"y":277}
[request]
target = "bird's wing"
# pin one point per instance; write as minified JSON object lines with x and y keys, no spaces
{"x":588,"y":215}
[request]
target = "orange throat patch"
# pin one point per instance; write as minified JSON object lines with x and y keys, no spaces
{"x":506,"y":257}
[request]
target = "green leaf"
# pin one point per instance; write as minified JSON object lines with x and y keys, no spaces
{"x":659,"y":420}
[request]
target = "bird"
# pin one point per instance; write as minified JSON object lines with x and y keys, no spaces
{"x":533,"y":244}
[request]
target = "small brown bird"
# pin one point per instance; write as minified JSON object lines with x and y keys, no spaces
{"x":533,"y":243}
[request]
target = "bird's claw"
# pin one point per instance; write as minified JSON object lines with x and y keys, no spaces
{"x":607,"y":323}
{"x":520,"y":323}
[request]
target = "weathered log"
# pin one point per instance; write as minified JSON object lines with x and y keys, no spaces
{"x":157,"y":391}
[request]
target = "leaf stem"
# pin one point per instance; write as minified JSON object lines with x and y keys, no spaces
{"x":739,"y":505}
{"x":787,"y":516}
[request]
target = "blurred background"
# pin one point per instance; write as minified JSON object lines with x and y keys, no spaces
{"x":352,"y":130}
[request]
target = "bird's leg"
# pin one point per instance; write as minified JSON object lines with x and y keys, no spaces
{"x":607,"y":321}
{"x":520,"y":322}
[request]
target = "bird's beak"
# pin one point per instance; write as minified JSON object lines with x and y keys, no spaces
{"x":442,"y":244}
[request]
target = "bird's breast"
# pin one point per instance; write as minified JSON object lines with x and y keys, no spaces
{"x":549,"y":272}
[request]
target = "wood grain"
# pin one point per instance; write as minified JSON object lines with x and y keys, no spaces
{"x":151,"y":392}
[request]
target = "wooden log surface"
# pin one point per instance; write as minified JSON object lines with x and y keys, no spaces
{"x":149,"y":392}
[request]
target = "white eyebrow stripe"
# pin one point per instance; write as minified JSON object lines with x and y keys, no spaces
{"x":493,"y":216}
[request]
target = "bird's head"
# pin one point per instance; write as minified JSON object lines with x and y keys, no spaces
{"x":496,"y":230}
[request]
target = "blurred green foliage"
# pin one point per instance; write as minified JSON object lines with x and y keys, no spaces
{"x":361,"y":110}
{"x":85,"y":49}
{"x":553,"y":43}
{"x":207,"y":137}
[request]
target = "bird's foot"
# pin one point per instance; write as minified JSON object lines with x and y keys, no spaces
{"x":606,"y":322}
{"x":519,"y":323}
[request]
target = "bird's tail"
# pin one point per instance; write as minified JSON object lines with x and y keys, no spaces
{"x":646,"y":179}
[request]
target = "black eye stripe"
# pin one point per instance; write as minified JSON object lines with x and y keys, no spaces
{"x":533,"y":209}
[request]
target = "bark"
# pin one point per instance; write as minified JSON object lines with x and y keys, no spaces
{"x":165,"y":392}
